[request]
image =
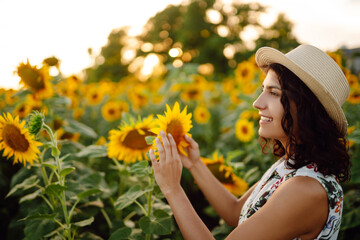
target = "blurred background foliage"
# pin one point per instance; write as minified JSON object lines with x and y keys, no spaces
{"x":198,"y":32}
{"x":197,"y":53}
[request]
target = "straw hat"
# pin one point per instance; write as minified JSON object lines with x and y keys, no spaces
{"x":318,"y":71}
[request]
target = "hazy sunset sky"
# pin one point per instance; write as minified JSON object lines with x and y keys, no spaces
{"x":36,"y":29}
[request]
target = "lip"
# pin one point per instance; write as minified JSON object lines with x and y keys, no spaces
{"x":262,"y":122}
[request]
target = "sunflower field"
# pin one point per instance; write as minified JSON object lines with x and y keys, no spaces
{"x":74,"y":155}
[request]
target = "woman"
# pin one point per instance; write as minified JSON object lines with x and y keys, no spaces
{"x":299,"y":197}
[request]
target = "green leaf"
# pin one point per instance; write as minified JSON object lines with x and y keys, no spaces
{"x":26,"y":184}
{"x":121,"y":233}
{"x":234,"y":154}
{"x":150,"y":140}
{"x":78,"y":127}
{"x":139,"y":168}
{"x":351,"y":219}
{"x":85,"y":222}
{"x":54,"y":189}
{"x":39,"y":216}
{"x":93,"y":151}
{"x":38,"y":228}
{"x":65,"y":157}
{"x":55,"y":152}
{"x":53,"y":167}
{"x":30,"y":196}
{"x":130,"y":196}
{"x":88,"y":193}
{"x":161,"y":225}
{"x":66,"y":171}
{"x":88,"y":236}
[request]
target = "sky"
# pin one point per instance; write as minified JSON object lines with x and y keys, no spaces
{"x":37,"y":29}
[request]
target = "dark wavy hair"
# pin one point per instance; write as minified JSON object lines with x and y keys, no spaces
{"x":317,"y":140}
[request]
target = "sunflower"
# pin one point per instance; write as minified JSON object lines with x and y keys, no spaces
{"x":61,"y":134}
{"x":225,"y":174}
{"x":138,"y":96}
{"x":101,"y":141}
{"x":235,"y":96}
{"x":336,"y":57}
{"x":177,"y":123}
{"x":349,"y":131}
{"x":112,"y":110}
{"x":38,"y":80}
{"x":244,"y":72}
{"x":94,"y":96}
{"x":10,"y":99}
{"x":29,"y":104}
{"x":128,"y":142}
{"x":250,"y":115}
{"x":354,"y":96}
{"x":228,"y":84}
{"x":201,"y":115}
{"x":352,"y":80}
{"x":244,"y":130}
{"x":52,"y":62}
{"x":16,"y":140}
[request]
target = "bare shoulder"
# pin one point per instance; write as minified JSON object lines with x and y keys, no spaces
{"x":306,"y":201}
{"x":300,"y":204}
{"x":307,"y":189}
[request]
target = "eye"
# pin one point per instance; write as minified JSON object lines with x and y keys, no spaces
{"x":274,"y":94}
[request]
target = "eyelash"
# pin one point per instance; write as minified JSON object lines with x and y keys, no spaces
{"x":272,"y":93}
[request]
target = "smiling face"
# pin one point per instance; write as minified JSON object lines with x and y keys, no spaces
{"x":271,"y":110}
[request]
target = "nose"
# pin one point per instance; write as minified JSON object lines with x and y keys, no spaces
{"x":259,"y":103}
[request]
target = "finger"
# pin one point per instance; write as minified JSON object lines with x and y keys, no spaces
{"x":191,"y":141}
{"x":154,"y":162}
{"x":166,"y":143}
{"x":173,"y":146}
{"x":160,"y":149}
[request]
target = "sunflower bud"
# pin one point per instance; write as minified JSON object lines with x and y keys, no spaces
{"x":35,"y":122}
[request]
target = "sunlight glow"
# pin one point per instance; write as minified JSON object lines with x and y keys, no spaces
{"x":175,"y":52}
{"x":150,"y":63}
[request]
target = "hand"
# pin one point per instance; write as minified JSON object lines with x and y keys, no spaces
{"x":168,"y":169}
{"x":193,"y":153}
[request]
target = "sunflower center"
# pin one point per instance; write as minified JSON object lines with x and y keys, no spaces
{"x":14,"y":139}
{"x":95,"y":96}
{"x":135,"y":140}
{"x":176,"y":129}
{"x":245,"y":73}
{"x":193,"y":93}
{"x":111,"y":111}
{"x":244,"y":130}
{"x":220,"y":175}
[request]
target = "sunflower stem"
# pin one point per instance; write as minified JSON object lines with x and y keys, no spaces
{"x":56,"y":154}
{"x":46,"y":179}
{"x":107,"y":219}
{"x":121,"y":183}
{"x":149,"y":202}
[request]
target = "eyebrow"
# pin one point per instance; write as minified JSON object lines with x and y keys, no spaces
{"x":271,"y":87}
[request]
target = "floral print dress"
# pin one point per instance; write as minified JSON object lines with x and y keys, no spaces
{"x":278,"y":174}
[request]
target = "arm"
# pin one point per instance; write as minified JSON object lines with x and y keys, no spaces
{"x":284,"y":216}
{"x":167,"y":174}
{"x":225,"y":204}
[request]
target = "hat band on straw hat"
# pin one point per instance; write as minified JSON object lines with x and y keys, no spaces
{"x":318,"y":71}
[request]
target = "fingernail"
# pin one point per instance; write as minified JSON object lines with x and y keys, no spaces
{"x":169,"y":134}
{"x":162,"y":132}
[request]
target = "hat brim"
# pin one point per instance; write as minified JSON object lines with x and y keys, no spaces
{"x":266,"y":56}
